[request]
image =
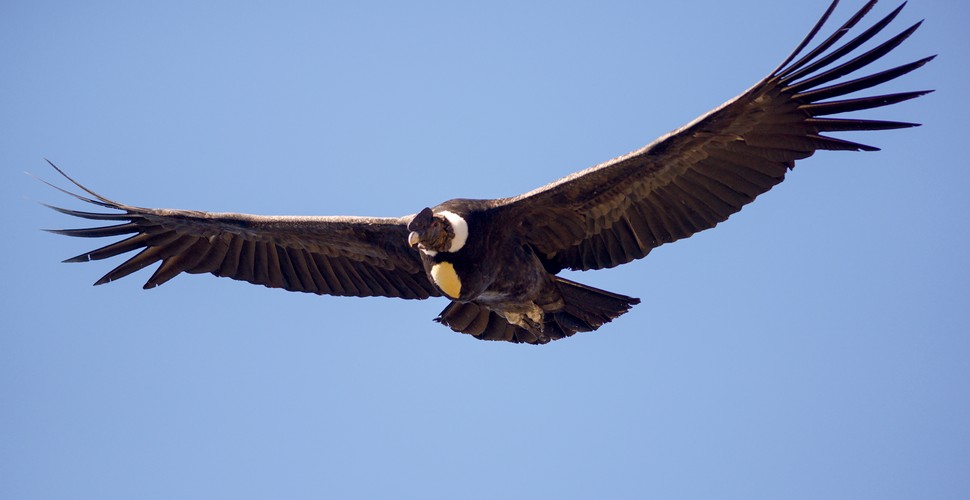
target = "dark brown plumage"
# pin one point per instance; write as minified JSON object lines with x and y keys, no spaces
{"x":497,"y":260}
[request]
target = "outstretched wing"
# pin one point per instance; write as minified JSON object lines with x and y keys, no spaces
{"x":697,"y":176}
{"x":350,"y":256}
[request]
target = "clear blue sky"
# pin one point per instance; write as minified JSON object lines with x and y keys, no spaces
{"x":816,"y":345}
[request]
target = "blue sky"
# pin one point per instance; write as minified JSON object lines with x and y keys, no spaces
{"x":813,"y":346}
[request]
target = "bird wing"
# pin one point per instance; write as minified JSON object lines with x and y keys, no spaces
{"x":349,"y":256}
{"x":697,"y":176}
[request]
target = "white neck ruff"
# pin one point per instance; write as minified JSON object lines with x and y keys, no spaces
{"x":460,"y":227}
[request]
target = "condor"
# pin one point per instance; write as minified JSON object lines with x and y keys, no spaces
{"x":497,"y":260}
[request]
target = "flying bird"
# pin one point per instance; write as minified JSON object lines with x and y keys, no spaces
{"x":497,"y":260}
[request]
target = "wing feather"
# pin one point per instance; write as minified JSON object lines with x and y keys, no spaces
{"x":353,"y":256}
{"x":696,"y":177}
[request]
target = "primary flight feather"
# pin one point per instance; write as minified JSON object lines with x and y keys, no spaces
{"x":498,"y":260}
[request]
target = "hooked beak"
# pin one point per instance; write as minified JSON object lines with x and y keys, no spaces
{"x":413,"y":239}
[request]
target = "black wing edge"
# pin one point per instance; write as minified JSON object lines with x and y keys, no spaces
{"x":800,"y":79}
{"x":129,"y":226}
{"x":97,"y":200}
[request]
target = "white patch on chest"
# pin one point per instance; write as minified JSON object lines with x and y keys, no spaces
{"x":444,"y":275}
{"x":460,"y":227}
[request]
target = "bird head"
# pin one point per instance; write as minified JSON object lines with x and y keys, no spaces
{"x":430,"y":233}
{"x":442,"y":232}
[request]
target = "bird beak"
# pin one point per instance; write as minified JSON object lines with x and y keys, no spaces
{"x":413,"y":239}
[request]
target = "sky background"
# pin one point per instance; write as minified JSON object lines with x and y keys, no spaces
{"x":815,"y":345}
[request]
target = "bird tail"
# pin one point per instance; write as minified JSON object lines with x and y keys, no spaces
{"x":586,"y":308}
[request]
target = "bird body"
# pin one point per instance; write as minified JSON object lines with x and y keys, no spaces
{"x":498,"y":260}
{"x":478,"y":254}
